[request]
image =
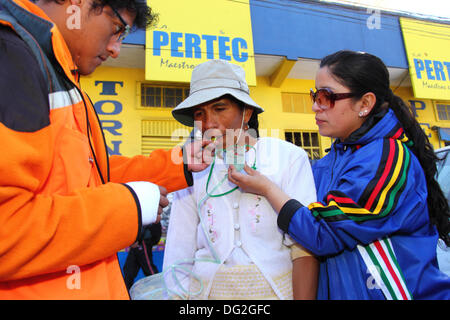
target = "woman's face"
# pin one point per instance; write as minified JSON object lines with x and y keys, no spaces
{"x":221,"y":119}
{"x":341,"y":120}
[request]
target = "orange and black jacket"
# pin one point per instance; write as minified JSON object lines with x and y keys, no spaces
{"x":64,"y":209}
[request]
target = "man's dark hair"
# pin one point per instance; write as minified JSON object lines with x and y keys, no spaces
{"x":145,"y":17}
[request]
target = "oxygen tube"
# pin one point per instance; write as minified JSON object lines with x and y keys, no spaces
{"x":161,"y":286}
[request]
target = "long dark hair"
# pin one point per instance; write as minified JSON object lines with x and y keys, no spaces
{"x":362,"y":73}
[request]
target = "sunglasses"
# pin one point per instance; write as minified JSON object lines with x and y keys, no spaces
{"x":325,"y":98}
{"x":123,"y":30}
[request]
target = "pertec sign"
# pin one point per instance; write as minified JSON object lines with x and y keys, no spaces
{"x":189,"y":45}
{"x":427,"y":49}
{"x":191,"y":32}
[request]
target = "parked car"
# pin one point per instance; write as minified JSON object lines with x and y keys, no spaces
{"x":443,"y":177}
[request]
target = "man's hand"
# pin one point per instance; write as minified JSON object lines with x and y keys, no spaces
{"x":199,"y":154}
{"x":163,"y":202}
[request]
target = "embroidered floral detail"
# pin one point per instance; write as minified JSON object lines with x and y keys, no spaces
{"x":256,"y":216}
{"x":211,"y":228}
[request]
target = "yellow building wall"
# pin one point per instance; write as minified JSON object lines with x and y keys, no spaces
{"x":115,"y":103}
{"x":273,"y":121}
{"x":115,"y":93}
{"x":426,"y":114}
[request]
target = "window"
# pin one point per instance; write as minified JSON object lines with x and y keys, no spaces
{"x":296,"y":102}
{"x":443,"y":110}
{"x":162,"y":134}
{"x":309,"y":141}
{"x":162,"y":97}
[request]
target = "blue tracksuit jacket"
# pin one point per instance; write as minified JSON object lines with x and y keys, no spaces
{"x":370,"y":227}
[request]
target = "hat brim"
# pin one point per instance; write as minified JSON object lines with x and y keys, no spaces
{"x":183,"y":112}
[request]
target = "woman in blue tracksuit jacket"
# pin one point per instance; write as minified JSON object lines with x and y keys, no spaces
{"x":380,"y":210}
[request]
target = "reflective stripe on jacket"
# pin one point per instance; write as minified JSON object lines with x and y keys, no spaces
{"x":64,"y":212}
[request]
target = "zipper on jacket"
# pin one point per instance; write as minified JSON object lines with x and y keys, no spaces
{"x":332,"y":166}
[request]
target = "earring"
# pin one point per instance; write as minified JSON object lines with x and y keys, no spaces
{"x":362,"y":113}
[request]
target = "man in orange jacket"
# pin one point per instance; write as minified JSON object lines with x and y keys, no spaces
{"x":66,"y":208}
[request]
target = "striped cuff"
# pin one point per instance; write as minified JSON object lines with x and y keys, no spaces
{"x":136,"y":199}
{"x":147,"y":197}
{"x":286,"y":214}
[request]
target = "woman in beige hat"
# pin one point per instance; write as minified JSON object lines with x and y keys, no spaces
{"x":223,"y":243}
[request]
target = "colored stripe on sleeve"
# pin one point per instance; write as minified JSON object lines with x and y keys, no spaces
{"x":381,"y":194}
{"x":383,"y":266}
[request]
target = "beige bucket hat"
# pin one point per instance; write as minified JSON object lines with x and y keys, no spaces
{"x":211,"y":80}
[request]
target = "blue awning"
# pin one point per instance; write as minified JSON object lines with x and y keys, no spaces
{"x":444,"y":134}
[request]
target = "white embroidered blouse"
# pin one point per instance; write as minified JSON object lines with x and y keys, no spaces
{"x":241,"y":227}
